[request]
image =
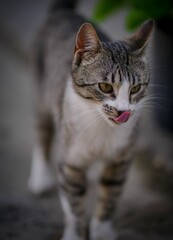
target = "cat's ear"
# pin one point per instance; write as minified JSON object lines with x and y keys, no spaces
{"x":138,"y":41}
{"x":86,"y":41}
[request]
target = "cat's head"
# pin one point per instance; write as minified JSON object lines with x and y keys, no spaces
{"x":114,"y":75}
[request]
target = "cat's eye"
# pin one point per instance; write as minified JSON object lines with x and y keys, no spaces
{"x":106,"y":88}
{"x":135,"y":89}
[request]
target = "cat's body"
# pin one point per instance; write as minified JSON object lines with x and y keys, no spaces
{"x":91,"y":111}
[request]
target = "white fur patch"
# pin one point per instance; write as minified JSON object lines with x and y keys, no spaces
{"x":70,"y":217}
{"x":70,"y":226}
{"x":102,"y":230}
{"x":121,"y":103}
{"x":42,"y":178}
{"x":69,"y":234}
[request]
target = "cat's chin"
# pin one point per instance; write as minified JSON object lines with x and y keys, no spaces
{"x":111,"y":122}
{"x":122,"y":118}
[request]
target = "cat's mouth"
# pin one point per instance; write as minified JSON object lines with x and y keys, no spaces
{"x":122,"y":118}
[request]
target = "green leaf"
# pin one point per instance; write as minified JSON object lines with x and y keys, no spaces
{"x":154,"y":8}
{"x":104,"y":8}
{"x":135,"y":18}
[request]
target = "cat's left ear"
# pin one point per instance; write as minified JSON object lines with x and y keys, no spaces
{"x":139,"y":40}
{"x":86,"y":41}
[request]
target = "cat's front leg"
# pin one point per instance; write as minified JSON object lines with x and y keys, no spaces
{"x":72,"y":183}
{"x":111,"y":183}
{"x":42,"y":176}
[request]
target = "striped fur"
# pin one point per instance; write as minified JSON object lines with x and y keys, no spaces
{"x":72,"y":182}
{"x":111,"y":182}
{"x":114,"y":65}
{"x":82,"y":117}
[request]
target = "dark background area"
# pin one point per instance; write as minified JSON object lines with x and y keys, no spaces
{"x":145,"y":211}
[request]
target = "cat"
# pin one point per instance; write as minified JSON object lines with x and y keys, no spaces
{"x":90,"y":92}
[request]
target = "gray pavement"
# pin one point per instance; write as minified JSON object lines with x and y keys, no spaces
{"x":145,"y":211}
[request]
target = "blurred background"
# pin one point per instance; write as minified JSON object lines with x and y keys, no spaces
{"x":149,"y":191}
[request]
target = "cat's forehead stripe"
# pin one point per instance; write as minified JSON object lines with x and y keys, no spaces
{"x":114,"y":77}
{"x":120,"y":63}
{"x":119,"y":52}
{"x":131,"y":78}
{"x":122,"y":75}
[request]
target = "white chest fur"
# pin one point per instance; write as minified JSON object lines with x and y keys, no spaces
{"x":92,"y":136}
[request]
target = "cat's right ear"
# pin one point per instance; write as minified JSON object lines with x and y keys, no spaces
{"x":86,"y":41}
{"x":139,"y":40}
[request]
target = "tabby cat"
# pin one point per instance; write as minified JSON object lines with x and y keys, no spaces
{"x":91,"y":109}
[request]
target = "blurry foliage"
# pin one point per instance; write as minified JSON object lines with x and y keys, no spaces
{"x":138,"y":10}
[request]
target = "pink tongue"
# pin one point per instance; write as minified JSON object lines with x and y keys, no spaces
{"x":123,"y":117}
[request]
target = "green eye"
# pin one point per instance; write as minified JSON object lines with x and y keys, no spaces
{"x":135,"y":89}
{"x":106,"y":87}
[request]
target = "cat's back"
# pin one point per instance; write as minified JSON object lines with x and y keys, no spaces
{"x":58,"y":41}
{"x":53,"y":53}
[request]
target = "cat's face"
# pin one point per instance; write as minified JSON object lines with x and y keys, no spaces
{"x":112,"y":75}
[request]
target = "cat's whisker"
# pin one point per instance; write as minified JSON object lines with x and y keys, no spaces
{"x":98,"y":120}
{"x":151,"y":94}
{"x":154,"y":98}
{"x":157,"y":66}
{"x":151,"y":105}
{"x":147,"y":111}
{"x":93,"y":119}
{"x":86,"y":120}
{"x":75,"y":115}
{"x":148,"y":104}
{"x":80,"y":114}
{"x":94,"y":123}
{"x":85,"y":127}
{"x":157,"y":85}
{"x":73,"y":107}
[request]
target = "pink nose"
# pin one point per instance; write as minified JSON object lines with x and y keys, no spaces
{"x":123,"y":117}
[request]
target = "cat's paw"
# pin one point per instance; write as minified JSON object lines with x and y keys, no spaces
{"x":102,"y":230}
{"x":71,"y":238}
{"x":70,"y":234}
{"x":41,"y":180}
